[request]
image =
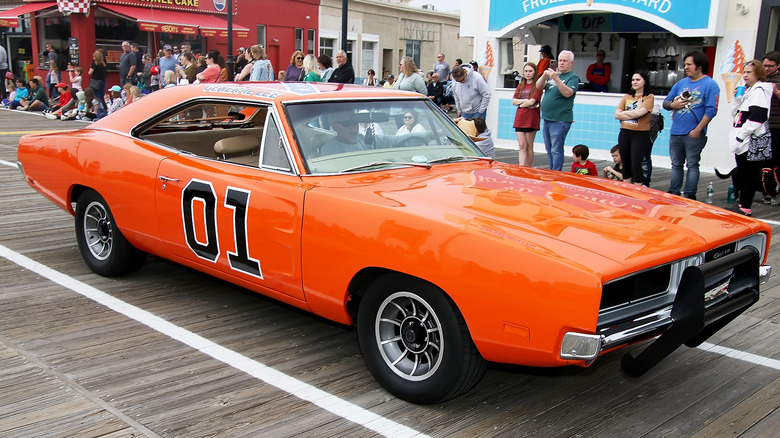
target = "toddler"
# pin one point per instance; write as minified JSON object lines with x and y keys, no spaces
{"x":615,"y":172}
{"x":581,"y":164}
{"x":75,"y":78}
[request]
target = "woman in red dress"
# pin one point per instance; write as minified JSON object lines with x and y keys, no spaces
{"x":527,"y":119}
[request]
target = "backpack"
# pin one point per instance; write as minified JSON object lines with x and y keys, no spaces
{"x":62,"y":61}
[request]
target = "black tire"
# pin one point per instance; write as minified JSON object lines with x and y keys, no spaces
{"x":103,"y":247}
{"x":415,"y":341}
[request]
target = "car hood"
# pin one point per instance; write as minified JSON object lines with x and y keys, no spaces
{"x":555,"y":212}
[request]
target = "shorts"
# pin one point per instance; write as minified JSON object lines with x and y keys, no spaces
{"x":525,"y":130}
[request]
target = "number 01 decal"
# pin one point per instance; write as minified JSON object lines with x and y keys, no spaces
{"x":235,"y":199}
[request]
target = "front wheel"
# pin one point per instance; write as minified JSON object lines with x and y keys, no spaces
{"x":103,"y":247}
{"x":415,"y":341}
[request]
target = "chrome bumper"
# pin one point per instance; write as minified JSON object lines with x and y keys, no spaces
{"x":696,"y":313}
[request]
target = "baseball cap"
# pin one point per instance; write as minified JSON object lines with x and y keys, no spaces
{"x":115,"y":88}
{"x":62,"y":85}
{"x":240,"y":49}
{"x":390,"y":77}
{"x":167,"y":47}
{"x":545,"y":49}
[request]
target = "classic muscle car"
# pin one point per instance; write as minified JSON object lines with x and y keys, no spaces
{"x":442,"y":258}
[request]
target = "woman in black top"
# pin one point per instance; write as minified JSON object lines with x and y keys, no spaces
{"x":97,"y":75}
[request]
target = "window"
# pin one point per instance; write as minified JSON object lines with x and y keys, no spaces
{"x":274,"y":155}
{"x":367,"y":57}
{"x":310,"y":41}
{"x":261,"y":34}
{"x":299,"y":39}
{"x":327,"y":46}
{"x":223,"y":132}
{"x":413,"y":50}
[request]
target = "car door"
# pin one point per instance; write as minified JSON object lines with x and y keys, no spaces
{"x":236,"y":217}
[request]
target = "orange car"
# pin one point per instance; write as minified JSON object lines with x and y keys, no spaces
{"x":441,"y":257}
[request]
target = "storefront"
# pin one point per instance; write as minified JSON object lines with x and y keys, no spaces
{"x":77,"y":28}
{"x":651,"y":35}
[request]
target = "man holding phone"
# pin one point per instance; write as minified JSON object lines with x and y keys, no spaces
{"x":560,"y":86}
{"x":693,"y":102}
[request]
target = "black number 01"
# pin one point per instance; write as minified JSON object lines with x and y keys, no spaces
{"x":235,"y":199}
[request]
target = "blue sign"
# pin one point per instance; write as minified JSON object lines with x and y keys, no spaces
{"x":684,"y":14}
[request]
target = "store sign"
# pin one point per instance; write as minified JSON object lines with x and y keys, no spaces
{"x":9,"y":23}
{"x":167,"y":28}
{"x":213,"y":6}
{"x":682,"y":14}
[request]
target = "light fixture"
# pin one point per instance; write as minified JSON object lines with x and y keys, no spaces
{"x":742,"y":9}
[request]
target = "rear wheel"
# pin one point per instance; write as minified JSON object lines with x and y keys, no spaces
{"x":415,"y":341}
{"x":103,"y":247}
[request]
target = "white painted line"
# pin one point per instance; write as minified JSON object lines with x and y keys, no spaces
{"x":8,"y":163}
{"x":270,"y":376}
{"x":769,"y":221}
{"x":741,"y":355}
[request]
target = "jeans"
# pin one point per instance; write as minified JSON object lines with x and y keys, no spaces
{"x":684,"y":149}
{"x":469,"y":116}
{"x":554,"y":138}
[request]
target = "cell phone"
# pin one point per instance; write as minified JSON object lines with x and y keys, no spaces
{"x":554,"y":64}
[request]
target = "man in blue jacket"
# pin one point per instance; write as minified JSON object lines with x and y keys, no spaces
{"x":693,"y":102}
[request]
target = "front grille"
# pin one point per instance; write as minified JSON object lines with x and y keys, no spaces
{"x":636,"y":287}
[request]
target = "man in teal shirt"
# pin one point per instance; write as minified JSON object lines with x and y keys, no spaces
{"x":560,"y":86}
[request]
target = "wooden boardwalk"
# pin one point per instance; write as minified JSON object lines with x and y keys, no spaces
{"x":72,"y":367}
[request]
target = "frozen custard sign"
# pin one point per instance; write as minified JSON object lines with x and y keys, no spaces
{"x":684,"y":14}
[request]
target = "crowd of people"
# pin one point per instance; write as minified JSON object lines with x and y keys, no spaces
{"x":544,"y":99}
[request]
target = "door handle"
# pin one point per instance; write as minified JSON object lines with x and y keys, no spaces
{"x":167,"y":179}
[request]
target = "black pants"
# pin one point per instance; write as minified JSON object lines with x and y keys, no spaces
{"x":749,"y":177}
{"x":633,"y":148}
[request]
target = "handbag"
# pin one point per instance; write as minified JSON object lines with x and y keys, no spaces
{"x":94,"y":84}
{"x":760,"y":147}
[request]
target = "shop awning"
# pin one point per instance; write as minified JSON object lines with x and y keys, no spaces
{"x":10,"y":17}
{"x":188,"y":23}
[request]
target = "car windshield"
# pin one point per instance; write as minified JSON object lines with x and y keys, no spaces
{"x":359,"y":136}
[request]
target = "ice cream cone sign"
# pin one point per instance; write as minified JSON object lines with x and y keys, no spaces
{"x":731,"y":66}
{"x":590,"y":2}
{"x":487,"y":61}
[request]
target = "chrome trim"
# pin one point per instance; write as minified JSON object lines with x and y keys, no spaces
{"x":763,"y":274}
{"x":631,"y":330}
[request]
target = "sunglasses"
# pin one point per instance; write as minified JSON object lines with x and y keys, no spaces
{"x":408,"y":117}
{"x":299,"y":58}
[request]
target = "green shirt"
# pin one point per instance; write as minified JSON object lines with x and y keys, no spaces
{"x":556,"y":107}
{"x":39,"y":94}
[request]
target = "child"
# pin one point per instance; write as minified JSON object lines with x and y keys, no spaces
{"x":614,"y":172}
{"x":485,"y":145}
{"x":581,"y":164}
{"x":10,"y":87}
{"x":75,"y":80}
{"x":115,"y":100}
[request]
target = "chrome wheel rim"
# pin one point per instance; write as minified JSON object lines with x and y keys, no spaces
{"x":409,"y":336}
{"x":98,"y":231}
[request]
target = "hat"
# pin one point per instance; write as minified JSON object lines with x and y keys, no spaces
{"x":240,"y":49}
{"x":469,"y":128}
{"x":115,"y":88}
{"x":62,"y":85}
{"x":155,"y":70}
{"x":81,"y":96}
{"x":390,"y":77}
{"x":9,"y":75}
{"x":167,"y":47}
{"x":545,"y":49}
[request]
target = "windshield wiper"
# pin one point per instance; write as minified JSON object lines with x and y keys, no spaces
{"x":385,"y":163}
{"x":459,"y":158}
